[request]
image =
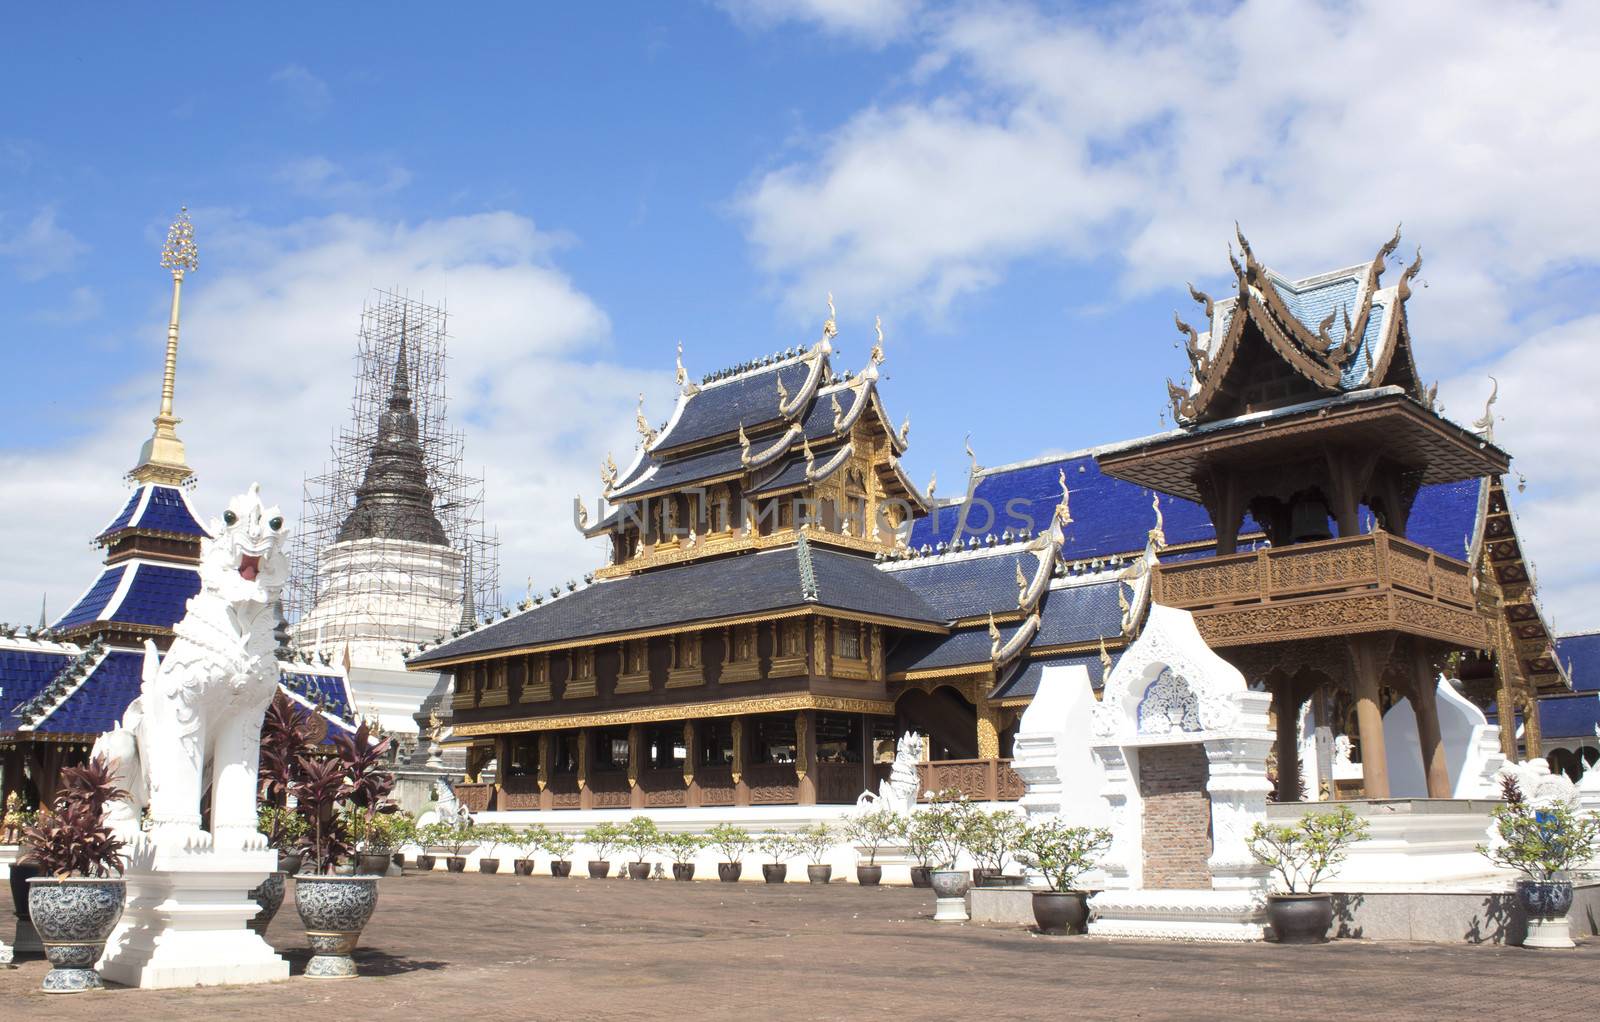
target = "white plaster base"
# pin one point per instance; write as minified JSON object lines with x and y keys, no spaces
{"x":1549,"y":933}
{"x":950,"y":910}
{"x":1179,"y":914}
{"x":184,"y":923}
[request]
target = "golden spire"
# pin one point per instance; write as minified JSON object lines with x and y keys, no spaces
{"x":161,"y":460}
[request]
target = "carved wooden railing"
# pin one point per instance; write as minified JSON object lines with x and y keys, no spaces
{"x":519,"y":793}
{"x":609,"y":789}
{"x":716,"y":785}
{"x":772,"y":784}
{"x":1330,"y":587}
{"x":564,"y":791}
{"x":839,"y":783}
{"x":478,"y":798}
{"x":663,"y":788}
{"x":983,"y":780}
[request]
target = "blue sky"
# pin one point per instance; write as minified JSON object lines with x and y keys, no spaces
{"x":1021,"y":193}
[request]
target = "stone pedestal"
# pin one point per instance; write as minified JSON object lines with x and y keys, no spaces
{"x":19,"y":937}
{"x":186,"y":919}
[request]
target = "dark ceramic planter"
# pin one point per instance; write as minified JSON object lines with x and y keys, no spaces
{"x":921,"y":876}
{"x":560,"y":868}
{"x":774,"y":872}
{"x":819,"y":874}
{"x":522,"y":867}
{"x":1545,"y":899}
{"x":374,"y":864}
{"x":74,"y":917}
{"x":289,"y":862}
{"x":599,"y":869}
{"x":869,"y":876}
{"x":488,"y":865}
{"x":269,"y":895}
{"x":1300,"y":918}
{"x":729,"y":872}
{"x":334,"y":910}
{"x":456,"y":863}
{"x":638,"y":871}
{"x":426,"y":862}
{"x":1061,"y":912}
{"x":21,"y":873}
{"x":683,"y":871}
{"x":399,"y":859}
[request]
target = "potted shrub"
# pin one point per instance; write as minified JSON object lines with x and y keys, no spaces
{"x":817,"y":841}
{"x":1548,"y":845}
{"x":991,"y":838}
{"x":434,"y":835}
{"x":777,"y":846}
{"x":335,"y":909}
{"x":1062,"y":853}
{"x":682,"y":848}
{"x":868,"y":831}
{"x":76,"y":902}
{"x":732,"y":843}
{"x":949,"y":819}
{"x":602,"y":837}
{"x":527,"y":841}
{"x":490,"y":837}
{"x":559,"y":845}
{"x":642,"y":836}
{"x":1303,"y":854}
{"x":919,"y":834}
{"x":285,"y":740}
{"x":455,"y":839}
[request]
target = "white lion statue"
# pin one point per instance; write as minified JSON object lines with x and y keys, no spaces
{"x":197,"y":720}
{"x":899,"y":792}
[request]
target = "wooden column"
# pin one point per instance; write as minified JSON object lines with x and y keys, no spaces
{"x":1425,"y":703}
{"x":805,"y":756}
{"x":585,"y":757}
{"x":547,"y":749}
{"x":691,"y":757}
{"x":1287,"y":708}
{"x":741,"y":756}
{"x":868,"y":780}
{"x":1367,"y":657}
{"x":502,"y":768}
{"x":988,"y":729}
{"x":635,"y":755}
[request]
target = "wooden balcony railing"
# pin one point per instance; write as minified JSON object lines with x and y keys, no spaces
{"x":982,"y":780}
{"x":1375,"y":582}
{"x":477,"y":798}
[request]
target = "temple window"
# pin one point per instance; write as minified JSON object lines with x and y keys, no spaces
{"x":611,"y":749}
{"x":581,"y":684}
{"x":633,"y":656}
{"x":847,"y":640}
{"x":663,"y":747}
{"x":785,"y":513}
{"x":744,"y":643}
{"x":565,"y":758}
{"x":687,"y":651}
{"x":855,"y":498}
{"x":716,"y":742}
{"x":635,"y":664}
{"x":773,"y":739}
{"x":792,"y":638}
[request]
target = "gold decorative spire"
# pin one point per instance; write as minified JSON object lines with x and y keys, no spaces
{"x":161,"y":460}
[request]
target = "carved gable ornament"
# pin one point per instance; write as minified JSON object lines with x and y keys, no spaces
{"x":1169,"y":681}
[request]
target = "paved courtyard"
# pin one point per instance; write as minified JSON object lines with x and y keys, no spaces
{"x":484,"y":948}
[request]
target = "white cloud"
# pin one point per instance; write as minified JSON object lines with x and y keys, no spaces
{"x":39,"y":248}
{"x":872,"y":21}
{"x":264,"y":379}
{"x":1135,"y":138}
{"x":308,"y":93}
{"x":318,"y":177}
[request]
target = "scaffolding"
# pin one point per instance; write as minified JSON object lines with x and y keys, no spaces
{"x":328,"y":497}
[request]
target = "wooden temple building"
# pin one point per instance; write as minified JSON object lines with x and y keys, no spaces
{"x":780,"y":601}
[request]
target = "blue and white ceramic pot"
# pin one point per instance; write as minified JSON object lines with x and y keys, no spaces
{"x":74,"y":917}
{"x":270,"y":897}
{"x":334,"y":910}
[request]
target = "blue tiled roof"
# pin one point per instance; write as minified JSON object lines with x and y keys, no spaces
{"x":158,"y":595}
{"x":924,"y":652}
{"x":1581,"y":656}
{"x":88,"y":609}
{"x":1024,"y":682}
{"x":99,"y":702}
{"x":1081,"y":613}
{"x":158,"y":508}
{"x":1569,"y":716}
{"x":325,"y":690}
{"x":1311,"y":305}
{"x":1113,"y":516}
{"x":23,"y":674}
{"x":969,"y":586}
{"x":720,"y":408}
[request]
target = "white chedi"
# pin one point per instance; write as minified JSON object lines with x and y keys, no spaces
{"x":197,"y":720}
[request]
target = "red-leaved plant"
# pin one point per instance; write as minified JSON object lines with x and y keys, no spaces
{"x":71,"y":838}
{"x":285,"y":739}
{"x":355,"y":775}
